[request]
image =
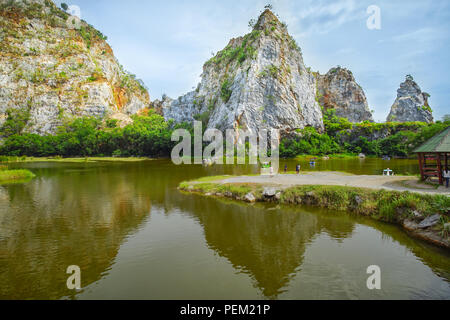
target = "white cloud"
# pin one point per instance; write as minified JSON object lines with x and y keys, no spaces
{"x":421,"y":35}
{"x":321,"y":17}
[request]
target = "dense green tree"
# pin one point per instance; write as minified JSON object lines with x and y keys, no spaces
{"x":334,"y":124}
{"x":150,"y":135}
{"x":15,"y":122}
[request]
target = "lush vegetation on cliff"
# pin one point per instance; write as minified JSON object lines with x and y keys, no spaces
{"x":341,"y":136}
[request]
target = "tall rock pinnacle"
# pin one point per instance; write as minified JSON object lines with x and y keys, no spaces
{"x":258,"y":81}
{"x":411,"y":104}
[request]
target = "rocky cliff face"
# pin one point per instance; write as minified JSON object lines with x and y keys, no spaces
{"x":56,"y":67}
{"x":257,"y":81}
{"x":411,"y":104}
{"x":338,"y":90}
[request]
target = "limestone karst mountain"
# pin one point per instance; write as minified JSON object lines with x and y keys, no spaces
{"x":55,"y":67}
{"x":411,"y":104}
{"x":258,"y":81}
{"x":338,"y":90}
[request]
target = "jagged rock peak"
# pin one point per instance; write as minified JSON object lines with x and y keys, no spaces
{"x":411,"y":104}
{"x":259,"y":81}
{"x":266,"y":19}
{"x":55,"y":67}
{"x":339,"y":90}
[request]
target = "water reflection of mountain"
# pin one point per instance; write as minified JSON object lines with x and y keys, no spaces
{"x":75,"y":217}
{"x":269,"y":246}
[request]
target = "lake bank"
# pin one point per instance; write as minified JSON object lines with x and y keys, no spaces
{"x":422,"y":213}
{"x":71,"y":160}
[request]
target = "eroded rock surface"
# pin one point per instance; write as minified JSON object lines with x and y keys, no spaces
{"x":56,"y":67}
{"x":338,"y":90}
{"x":411,"y":104}
{"x":258,"y":81}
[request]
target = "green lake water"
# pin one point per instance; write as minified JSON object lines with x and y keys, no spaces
{"x":135,"y":236}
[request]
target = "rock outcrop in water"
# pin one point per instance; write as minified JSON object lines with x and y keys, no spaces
{"x":56,"y":67}
{"x":258,"y":81}
{"x":411,"y":104}
{"x":338,"y":90}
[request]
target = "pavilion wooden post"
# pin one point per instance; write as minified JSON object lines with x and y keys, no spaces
{"x":424,"y":161}
{"x":421,"y":165}
{"x":439,"y":167}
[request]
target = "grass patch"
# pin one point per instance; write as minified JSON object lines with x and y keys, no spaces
{"x":235,"y":190}
{"x":9,"y":176}
{"x":212,"y":178}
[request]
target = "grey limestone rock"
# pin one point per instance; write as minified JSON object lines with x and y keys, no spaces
{"x":258,"y":81}
{"x":339,"y":90}
{"x":411,"y":104}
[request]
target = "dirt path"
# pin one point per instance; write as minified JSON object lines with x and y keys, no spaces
{"x":399,"y":183}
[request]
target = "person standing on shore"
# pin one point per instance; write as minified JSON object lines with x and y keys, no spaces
{"x":285,"y":168}
{"x":297,"y":169}
{"x":446,"y":175}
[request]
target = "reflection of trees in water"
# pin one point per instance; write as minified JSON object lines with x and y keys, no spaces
{"x":270,"y":246}
{"x":75,"y":218}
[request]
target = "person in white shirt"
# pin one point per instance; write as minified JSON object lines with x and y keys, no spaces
{"x":446,"y":175}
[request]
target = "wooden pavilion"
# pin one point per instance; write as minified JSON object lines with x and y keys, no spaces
{"x":433,"y":156}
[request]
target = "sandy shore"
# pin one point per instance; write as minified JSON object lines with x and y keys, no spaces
{"x":398,"y":183}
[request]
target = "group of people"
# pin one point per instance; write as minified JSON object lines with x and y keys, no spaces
{"x":297,"y":168}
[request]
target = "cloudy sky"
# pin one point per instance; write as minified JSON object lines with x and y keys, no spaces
{"x":165,"y":43}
